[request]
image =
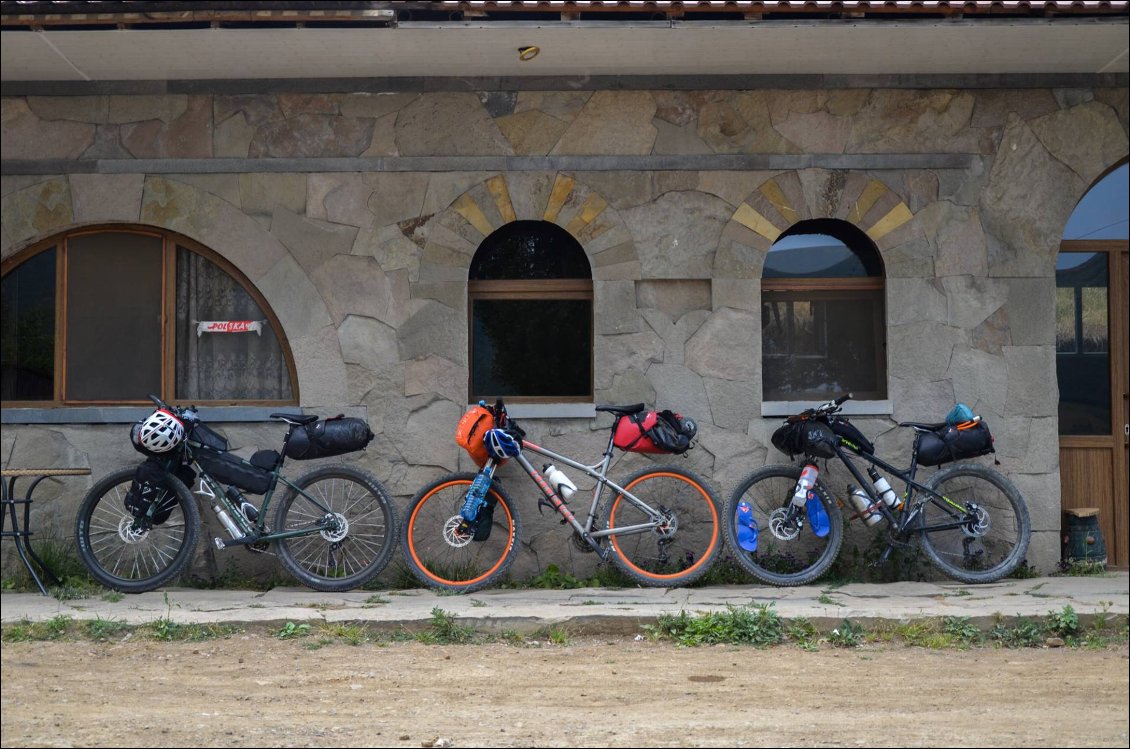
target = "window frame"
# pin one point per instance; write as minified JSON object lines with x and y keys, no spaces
{"x":170,"y":241}
{"x":810,"y":289}
{"x":546,"y":290}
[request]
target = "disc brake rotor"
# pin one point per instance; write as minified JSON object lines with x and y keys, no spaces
{"x":129,"y":532}
{"x":338,"y":530}
{"x":780,"y":525}
{"x":453,"y":536}
{"x":977,"y":523}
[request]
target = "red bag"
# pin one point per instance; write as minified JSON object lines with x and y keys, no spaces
{"x":469,"y":434}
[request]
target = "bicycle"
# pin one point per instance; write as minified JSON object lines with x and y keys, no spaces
{"x":969,"y":518}
{"x":660,"y":527}
{"x":137,"y":528}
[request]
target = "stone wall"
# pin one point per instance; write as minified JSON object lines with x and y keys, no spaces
{"x":356,"y":216}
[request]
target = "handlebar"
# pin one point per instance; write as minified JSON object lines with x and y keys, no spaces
{"x":187,"y":414}
{"x":825,"y":409}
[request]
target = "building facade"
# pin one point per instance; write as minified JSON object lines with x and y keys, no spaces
{"x":361,"y":224}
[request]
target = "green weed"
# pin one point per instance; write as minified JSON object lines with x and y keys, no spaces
{"x":290,"y":630}
{"x":847,"y":635}
{"x":446,"y":630}
{"x":756,"y":625}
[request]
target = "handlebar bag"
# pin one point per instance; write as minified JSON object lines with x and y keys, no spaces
{"x":209,"y":438}
{"x":970,"y":439}
{"x":470,"y":431}
{"x":813,"y":439}
{"x":328,"y":437}
{"x":655,"y":432}
{"x":229,"y":469}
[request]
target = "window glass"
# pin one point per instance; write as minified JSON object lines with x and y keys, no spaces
{"x":529,"y":250}
{"x":530,"y":306}
{"x":220,"y":362}
{"x":113,"y":317}
{"x":27,"y":322}
{"x":1082,"y":343}
{"x":815,"y":256}
{"x":529,"y":348}
{"x":1103,"y":211}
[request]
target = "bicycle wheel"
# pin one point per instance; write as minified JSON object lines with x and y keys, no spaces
{"x":356,"y":542}
{"x":135,"y":555}
{"x":787,"y":551}
{"x":992,"y":540}
{"x":442,"y":558}
{"x":684,"y":546}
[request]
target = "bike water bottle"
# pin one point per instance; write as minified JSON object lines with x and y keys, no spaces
{"x":476,"y":497}
{"x":804,"y":484}
{"x":559,"y":481}
{"x":867,"y":511}
{"x":229,"y":524}
{"x":883,"y":488}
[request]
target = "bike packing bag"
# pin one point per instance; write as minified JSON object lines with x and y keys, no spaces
{"x":850,"y":433}
{"x":814,"y":439}
{"x":148,"y":487}
{"x":970,"y":439}
{"x":470,"y":432}
{"x":655,"y":432}
{"x":208,"y":438}
{"x":265,"y":459}
{"x":328,"y":437}
{"x":228,"y":469}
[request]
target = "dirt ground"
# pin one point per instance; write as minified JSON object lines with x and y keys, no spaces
{"x":257,"y":690}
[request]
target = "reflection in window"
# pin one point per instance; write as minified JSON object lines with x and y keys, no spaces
{"x":1082,"y":342}
{"x":1103,"y":211}
{"x":530,"y":298}
{"x":115,"y":290}
{"x":822,"y":314}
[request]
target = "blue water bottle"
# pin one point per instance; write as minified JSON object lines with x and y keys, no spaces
{"x":476,"y":497}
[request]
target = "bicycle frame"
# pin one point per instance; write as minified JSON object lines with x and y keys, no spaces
{"x":908,"y":510}
{"x":209,"y":487}
{"x":597,"y":471}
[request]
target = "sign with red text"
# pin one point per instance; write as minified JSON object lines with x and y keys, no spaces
{"x":229,"y":326}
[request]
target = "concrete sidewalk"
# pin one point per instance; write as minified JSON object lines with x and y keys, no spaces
{"x":593,"y":610}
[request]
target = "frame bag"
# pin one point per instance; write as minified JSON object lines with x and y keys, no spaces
{"x":970,"y":439}
{"x":328,"y":437}
{"x":228,"y":469}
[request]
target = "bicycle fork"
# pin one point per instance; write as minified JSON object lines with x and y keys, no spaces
{"x":552,"y":499}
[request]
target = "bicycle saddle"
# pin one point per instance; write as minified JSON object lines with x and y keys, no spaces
{"x":297,"y":419}
{"x":922,"y":427}
{"x":622,"y":410}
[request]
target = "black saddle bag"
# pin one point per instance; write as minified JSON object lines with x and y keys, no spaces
{"x":955,"y":442}
{"x":328,"y":437}
{"x":814,"y":439}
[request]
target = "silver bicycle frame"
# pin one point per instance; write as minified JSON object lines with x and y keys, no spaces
{"x":597,"y":471}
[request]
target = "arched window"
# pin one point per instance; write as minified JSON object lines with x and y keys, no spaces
{"x":530,"y":312}
{"x":822,"y":318}
{"x":109,"y":315}
{"x":1095,"y":236}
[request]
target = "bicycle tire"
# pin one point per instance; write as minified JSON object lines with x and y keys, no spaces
{"x":449,"y":563}
{"x":779,"y":560}
{"x":1005,"y":543}
{"x":125,"y":556}
{"x":345,"y":559}
{"x":682,"y":550}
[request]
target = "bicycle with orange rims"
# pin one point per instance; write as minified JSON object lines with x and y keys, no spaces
{"x":661,"y":527}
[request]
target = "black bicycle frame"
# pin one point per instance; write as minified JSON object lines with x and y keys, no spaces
{"x":909,"y":510}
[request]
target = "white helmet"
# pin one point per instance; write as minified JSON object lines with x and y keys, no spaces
{"x":160,"y":432}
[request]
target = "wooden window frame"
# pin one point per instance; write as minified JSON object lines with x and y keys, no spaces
{"x":169,"y":243}
{"x":548,"y":290}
